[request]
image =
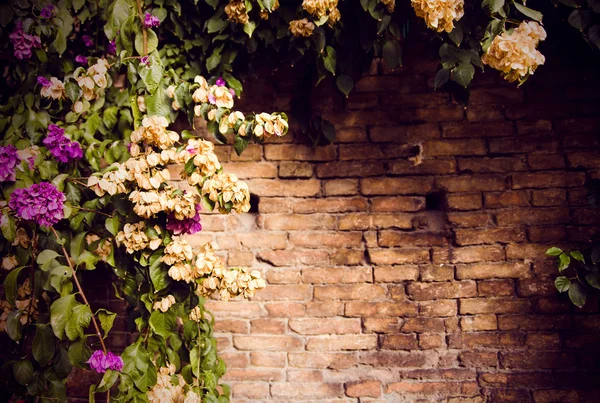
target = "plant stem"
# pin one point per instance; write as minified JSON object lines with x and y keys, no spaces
{"x":144,"y":32}
{"x":85,"y":301}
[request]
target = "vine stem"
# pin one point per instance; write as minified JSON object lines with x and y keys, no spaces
{"x":144,"y":32}
{"x":98,"y":333}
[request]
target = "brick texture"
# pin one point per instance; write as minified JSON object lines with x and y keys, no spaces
{"x":395,"y":283}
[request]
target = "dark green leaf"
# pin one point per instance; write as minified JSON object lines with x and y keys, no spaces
{"x":580,"y":19}
{"x":536,"y":15}
{"x":106,"y":319}
{"x":564,"y":261}
{"x":441,"y":78}
{"x":163,"y":324}
{"x":562,"y":283}
{"x":392,"y":53}
{"x":492,"y":6}
{"x":10,"y":284}
{"x":463,"y":74}
{"x":72,"y":193}
{"x":43,"y":344}
{"x":575,"y":254}
{"x":72,"y":90}
{"x":60,"y":313}
{"x":159,"y":276}
{"x":240,"y":144}
{"x":119,"y":11}
{"x":593,"y":279}
{"x":577,"y":294}
{"x":45,"y":259}
{"x":345,"y":84}
{"x":328,"y":130}
{"x":108,"y":380}
{"x":13,"y":325}
{"x":23,"y":372}
{"x":456,"y":35}
{"x":152,"y":76}
{"x":330,"y":59}
{"x":8,"y":226}
{"x":594,"y":35}
{"x":62,"y":363}
{"x":249,"y":28}
{"x":215,"y":24}
{"x":112,"y":225}
{"x":79,"y":353}
{"x":77,"y":245}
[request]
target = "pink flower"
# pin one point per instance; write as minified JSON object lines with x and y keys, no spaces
{"x":232,"y":92}
{"x":44,"y":82}
{"x":87,"y":41}
{"x":151,"y":20}
{"x":47,"y":11}
{"x":22,"y":42}
{"x":144,"y":60}
{"x":81,"y":59}
{"x":220,"y":82}
{"x":100,"y":362}
{"x":112,"y":47}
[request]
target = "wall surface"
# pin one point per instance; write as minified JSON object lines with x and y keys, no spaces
{"x":389,"y":282}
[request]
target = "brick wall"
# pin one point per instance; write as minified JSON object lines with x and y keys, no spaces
{"x":389,"y":282}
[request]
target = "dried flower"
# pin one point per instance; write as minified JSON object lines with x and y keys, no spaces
{"x":390,"y":5}
{"x":164,"y":304}
{"x":41,"y":202}
{"x":56,"y":89}
{"x":220,"y":96}
{"x":9,"y":262}
{"x":439,"y":15}
{"x":9,"y":159}
{"x":514,"y":53}
{"x":134,"y":237}
{"x":177,"y":251}
{"x":236,"y":12}
{"x":227,"y":192}
{"x":302,"y":27}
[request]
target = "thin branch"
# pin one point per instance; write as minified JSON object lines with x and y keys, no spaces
{"x":144,"y":32}
{"x":85,"y":301}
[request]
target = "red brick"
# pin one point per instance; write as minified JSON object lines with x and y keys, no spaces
{"x":398,"y":256}
{"x":326,"y":239}
{"x":423,"y":325}
{"x":479,"y":305}
{"x":295,"y":170}
{"x":533,"y":127}
{"x":258,"y":241}
{"x":284,"y":293}
{"x":281,"y":187}
{"x":347,"y":257}
{"x":363,"y":221}
{"x":465,"y":201}
{"x":299,"y":222}
{"x":489,"y":236}
{"x":549,"y":197}
{"x":232,"y":326}
{"x":341,"y":187}
{"x":251,"y":390}
{"x":437,"y":166}
{"x":265,"y":325}
{"x":342,"y":342}
{"x":366,"y":388}
{"x":324,"y":275}
{"x":298,"y":152}
{"x":313,"y":326}
{"x":506,"y":199}
{"x":395,"y":274}
{"x":469,"y":254}
{"x":437,"y":148}
{"x":251,"y":169}
{"x":253,"y":374}
{"x":303,"y":391}
{"x":472,"y":183}
{"x":548,"y":180}
{"x":478,"y":359}
{"x":324,"y":309}
{"x":431,"y":341}
{"x":367,"y":292}
{"x":399,"y":342}
{"x":321,"y":360}
{"x":268,"y":359}
{"x":471,"y":219}
{"x":381,"y":325}
{"x":234,"y":308}
{"x":493,"y":270}
{"x":380,"y":309}
{"x":349,"y":169}
{"x":351,"y":135}
{"x":268,"y":343}
{"x":441,"y":307}
{"x":478,"y":322}
{"x":398,"y":203}
{"x":485,"y":129}
{"x":437,"y":273}
{"x":285,"y":309}
{"x":430,"y":291}
{"x":395,"y":186}
{"x":299,"y":375}
{"x":292,"y":257}
{"x":401,"y":238}
{"x":492,"y":165}
{"x":535,"y":216}
{"x":404,"y":134}
{"x":519,"y":145}
{"x":274,"y":205}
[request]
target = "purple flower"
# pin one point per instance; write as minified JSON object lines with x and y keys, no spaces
{"x":220,"y":82}
{"x":23,"y":42}
{"x":232,"y":92}
{"x":60,"y":146}
{"x":44,"y":82}
{"x":100,"y":362}
{"x":9,"y":159}
{"x":188,"y":226}
{"x":87,"y":41}
{"x":144,"y":60}
{"x":112,"y":47}
{"x":47,"y":11}
{"x":40,"y":202}
{"x":114,"y":362}
{"x":81,"y":59}
{"x":151,"y":20}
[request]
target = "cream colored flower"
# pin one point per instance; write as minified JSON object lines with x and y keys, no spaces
{"x":514,"y":53}
{"x":9,"y":262}
{"x":141,"y":103}
{"x":439,"y":15}
{"x":236,"y":11}
{"x":55,"y":91}
{"x":192,"y":397}
{"x":164,"y":304}
{"x":268,"y":125}
{"x":302,"y":27}
{"x":227,"y":192}
{"x":178,"y":250}
{"x":171,"y":91}
{"x":111,"y":182}
{"x":181,"y":272}
{"x":164,"y":391}
{"x":133,"y":237}
{"x":104,"y":247}
{"x":196,"y":314}
{"x":220,"y":96}
{"x":78,"y":107}
{"x":205,"y":160}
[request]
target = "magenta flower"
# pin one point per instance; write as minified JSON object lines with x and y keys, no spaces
{"x":220,"y":82}
{"x":151,"y":20}
{"x":144,"y":60}
{"x":44,"y":82}
{"x":40,"y":202}
{"x":81,"y":59}
{"x":112,"y":47}
{"x":47,"y":11}
{"x":22,"y":42}
{"x":87,"y":41}
{"x":9,"y":159}
{"x":100,"y":362}
{"x":188,"y":226}
{"x":60,"y":146}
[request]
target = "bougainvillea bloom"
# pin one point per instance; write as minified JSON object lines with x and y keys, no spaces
{"x":60,"y":146}
{"x":9,"y":159}
{"x":100,"y":362}
{"x":144,"y":60}
{"x":81,"y":59}
{"x":44,"y":82}
{"x":188,"y":226}
{"x":40,"y":202}
{"x":23,"y":42}
{"x":87,"y":41}
{"x":151,"y":20}
{"x":220,"y":82}
{"x":112,"y":47}
{"x":47,"y":11}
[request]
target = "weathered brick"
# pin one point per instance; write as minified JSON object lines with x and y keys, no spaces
{"x":437,"y":166}
{"x":401,"y":238}
{"x":492,"y":165}
{"x":251,"y":169}
{"x":251,"y":390}
{"x":324,"y":309}
{"x":478,"y":323}
{"x":548,"y":180}
{"x":395,"y":186}
{"x":472,"y":183}
{"x":267,"y":343}
{"x":465,"y":201}
{"x":469,"y":254}
{"x":478,"y":305}
{"x":404,"y":134}
{"x":549,"y":197}
{"x":506,"y":199}
{"x":325,"y":275}
{"x":437,"y":273}
{"x":280,"y":187}
{"x":313,"y":326}
{"x":297,"y":152}
{"x":484,"y":129}
{"x":368,"y":292}
{"x":293,"y":257}
{"x":342,"y":342}
{"x":430,"y":291}
{"x":495,"y":288}
{"x":380,"y":309}
{"x":399,"y":342}
{"x":295,"y":170}
{"x":398,"y":256}
{"x":338,"y":205}
{"x":489,"y":236}
{"x":349,"y":169}
{"x":470,"y":219}
{"x":423,"y":325}
{"x":285,"y":309}
{"x":365,"y":388}
{"x":267,"y":359}
{"x":478,"y":359}
{"x":431,"y":341}
{"x":341,"y":187}
{"x":438,"y":148}
{"x":321,"y":360}
{"x":535,"y":216}
{"x":394,"y":274}
{"x":262,"y":240}
{"x":254,"y":374}
{"x":493,"y":270}
{"x":363,"y":221}
{"x":304,"y":391}
{"x":299,"y":222}
{"x":381,"y":325}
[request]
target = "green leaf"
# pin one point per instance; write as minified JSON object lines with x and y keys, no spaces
{"x":533,"y":14}
{"x":240,"y":144}
{"x":112,"y":225}
{"x":106,"y":319}
{"x":60,"y":42}
{"x":72,"y":193}
{"x":345,"y":84}
{"x":163,"y":324}
{"x":328,"y":130}
{"x":43,"y":344}
{"x":79,"y":320}
{"x":45,"y":258}
{"x":110,"y":116}
{"x":213,"y":61}
{"x":77,"y":245}
{"x":577,"y":295}
{"x":108,"y":380}
{"x":215,"y":24}
{"x":441,"y":78}
{"x":10,"y":284}
{"x":79,"y":353}
{"x":8,"y":226}
{"x":330,"y":59}
{"x":392,"y":53}
{"x":152,"y":76}
{"x":564,"y":262}
{"x":249,"y":28}
{"x":577,"y":256}
{"x":562,"y":283}
{"x":594,"y":35}
{"x":13,"y":325}
{"x":62,"y":363}
{"x":119,"y":11}
{"x":189,"y":167}
{"x":158,"y":104}
{"x":554,"y":251}
{"x":493,"y":6}
{"x":580,"y":19}
{"x":463,"y":74}
{"x":58,"y":275}
{"x":152,"y":42}
{"x":456,"y":35}
{"x":60,"y":313}
{"x":72,"y":90}
{"x":23,"y":372}
{"x":88,"y":259}
{"x":77,"y":4}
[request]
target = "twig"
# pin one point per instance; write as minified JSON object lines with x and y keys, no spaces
{"x":85,"y":301}
{"x":144,"y":32}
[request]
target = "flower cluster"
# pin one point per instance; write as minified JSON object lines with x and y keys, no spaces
{"x":23,"y":43}
{"x":9,"y":262}
{"x":111,"y":182}
{"x":439,"y":15}
{"x":205,"y":160}
{"x":165,"y":390}
{"x":514,"y":53}
{"x":185,"y":226}
{"x":47,"y":12}
{"x":134,"y":237}
{"x":227,"y":193}
{"x":164,"y":304}
{"x":390,"y":5}
{"x":177,"y":251}
{"x":151,"y":21}
{"x":9,"y":159}
{"x":53,"y":88}
{"x":323,"y":8}
{"x":103,"y":246}
{"x":267,"y":125}
{"x":100,"y":362}
{"x":236,"y":11}
{"x":302,"y":27}
{"x":87,"y":41}
{"x":153,"y":131}
{"x":40,"y":202}
{"x":92,"y":82}
{"x":60,"y":146}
